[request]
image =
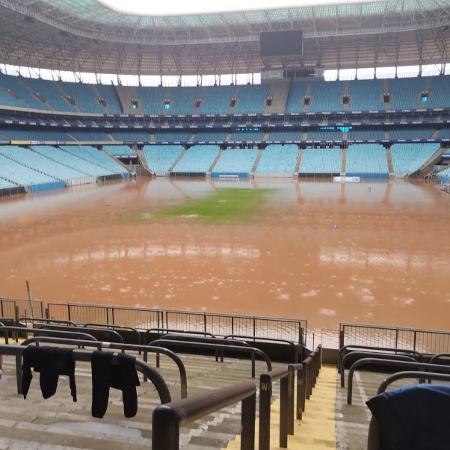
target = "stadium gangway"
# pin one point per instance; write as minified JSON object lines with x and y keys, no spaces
{"x":386,"y":350}
{"x":356,"y":356}
{"x":213,"y":346}
{"x":116,"y":328}
{"x":391,"y":364}
{"x":145,"y":349}
{"x":168,"y":418}
{"x":294,"y":347}
{"x":375,"y":438}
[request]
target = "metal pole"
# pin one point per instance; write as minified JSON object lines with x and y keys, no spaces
{"x":248,"y":413}
{"x":30,"y":298}
{"x":265,"y":399}
{"x":284,"y":403}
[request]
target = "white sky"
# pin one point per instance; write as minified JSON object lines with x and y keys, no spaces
{"x":183,"y":7}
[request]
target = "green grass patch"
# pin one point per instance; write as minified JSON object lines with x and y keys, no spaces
{"x":223,"y":206}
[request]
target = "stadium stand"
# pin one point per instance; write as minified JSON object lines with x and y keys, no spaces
{"x":444,"y":176}
{"x":48,"y":91}
{"x":285,"y":136}
{"x":14,"y":94}
{"x":367,"y":161}
{"x":22,"y":175}
{"x":197,"y":160}
{"x":235,"y":162}
{"x":295,"y":100}
{"x":366,"y":95}
{"x":278,"y":160}
{"x":173,"y":136}
{"x":211,"y":136}
{"x":252,"y":99}
{"x":439,"y":92}
{"x":39,"y":163}
{"x":411,"y":134}
{"x":369,"y":135}
{"x":119,"y":150}
{"x":96,"y":158}
{"x":405,"y":93}
{"x":152,"y":99}
{"x":90,"y":136}
{"x":321,"y":161}
{"x":183,"y":100}
{"x":216,"y":100}
{"x":109,"y":94}
{"x":324,"y":136}
{"x":130,"y":136}
{"x":83,"y":95}
{"x":247,"y":136}
{"x":161,"y":158}
{"x":408,"y":158}
{"x":35,"y":135}
{"x":326,"y":96}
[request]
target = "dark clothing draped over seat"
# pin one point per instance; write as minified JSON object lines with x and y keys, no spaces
{"x":413,"y":417}
{"x":50,"y":363}
{"x":117,"y":371}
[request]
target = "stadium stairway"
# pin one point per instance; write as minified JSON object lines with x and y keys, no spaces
{"x":389,"y":161}
{"x":344,"y":162}
{"x":59,"y":423}
{"x":258,"y":158}
{"x":280,"y":93}
{"x":215,"y":161}
{"x":178,"y":159}
{"x":126,"y":94}
{"x":143,"y":161}
{"x":299,"y":161}
{"x":428,"y":166}
{"x":317,"y":429}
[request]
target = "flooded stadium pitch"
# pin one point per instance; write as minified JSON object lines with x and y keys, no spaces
{"x":327,"y":252}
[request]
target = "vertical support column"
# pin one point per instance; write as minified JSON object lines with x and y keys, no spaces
{"x":291,"y":401}
{"x":284,"y":403}
{"x":248,"y":415}
{"x":265,"y":399}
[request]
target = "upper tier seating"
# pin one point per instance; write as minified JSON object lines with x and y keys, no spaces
{"x":152,"y":99}
{"x":295,"y":100}
{"x":444,"y":176}
{"x":216,"y":99}
{"x":119,"y":150}
{"x":408,"y":158}
{"x":366,"y":95}
{"x":439,"y":92}
{"x":13,"y":93}
{"x":318,"y":161}
{"x":252,"y":99}
{"x":19,"y":174}
{"x":367,"y":160}
{"x":211,"y":136}
{"x":96,"y":157}
{"x":84,"y":96}
{"x":326,"y":96}
{"x":40,"y":163}
{"x":173,"y":136}
{"x":405,"y":93}
{"x":113,"y":105}
{"x":197,"y":160}
{"x":183,"y":99}
{"x":35,"y":135}
{"x":68,"y":159}
{"x":278,"y":158}
{"x":444,"y":133}
{"x":52,"y":95}
{"x":235,"y":161}
{"x":160,"y":158}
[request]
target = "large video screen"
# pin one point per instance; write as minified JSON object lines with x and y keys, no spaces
{"x":281,"y":43}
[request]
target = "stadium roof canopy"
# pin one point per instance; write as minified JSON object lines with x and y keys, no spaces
{"x":87,"y":36}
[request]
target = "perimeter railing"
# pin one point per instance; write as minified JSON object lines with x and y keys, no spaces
{"x":424,"y":341}
{"x":213,"y":323}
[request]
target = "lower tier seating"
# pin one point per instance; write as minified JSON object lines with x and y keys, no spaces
{"x":160,"y":158}
{"x":278,"y":159}
{"x":197,"y":160}
{"x":408,"y":158}
{"x":326,"y":161}
{"x":367,"y":160}
{"x":235,"y":161}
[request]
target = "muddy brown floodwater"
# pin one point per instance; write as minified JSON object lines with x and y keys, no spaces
{"x":369,"y":252}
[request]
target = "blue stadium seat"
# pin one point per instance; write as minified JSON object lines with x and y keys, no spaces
{"x":235,"y":162}
{"x":197,"y":159}
{"x":321,"y":161}
{"x":367,"y":160}
{"x":119,"y":150}
{"x":295,"y":99}
{"x":366,"y":95}
{"x":278,"y":159}
{"x":160,"y":158}
{"x":408,"y":158}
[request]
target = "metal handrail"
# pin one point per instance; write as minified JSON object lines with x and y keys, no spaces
{"x":81,"y":355}
{"x":438,"y":356}
{"x":265,"y":400}
{"x":362,"y":355}
{"x":117,"y":346}
{"x":168,"y":418}
{"x":411,"y":374}
{"x":173,"y":330}
{"x":390,"y":363}
{"x":256,"y":339}
{"x":49,"y":321}
{"x":112,"y":333}
{"x":346,"y":348}
{"x":43,"y":332}
{"x":203,"y":345}
{"x":114,"y":328}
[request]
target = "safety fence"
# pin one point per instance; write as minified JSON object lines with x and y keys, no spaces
{"x":424,"y":341}
{"x":144,"y":319}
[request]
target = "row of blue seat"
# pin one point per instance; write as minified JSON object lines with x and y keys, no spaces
{"x":304,"y":96}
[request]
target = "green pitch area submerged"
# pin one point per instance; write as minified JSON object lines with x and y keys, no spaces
{"x":222,"y":206}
